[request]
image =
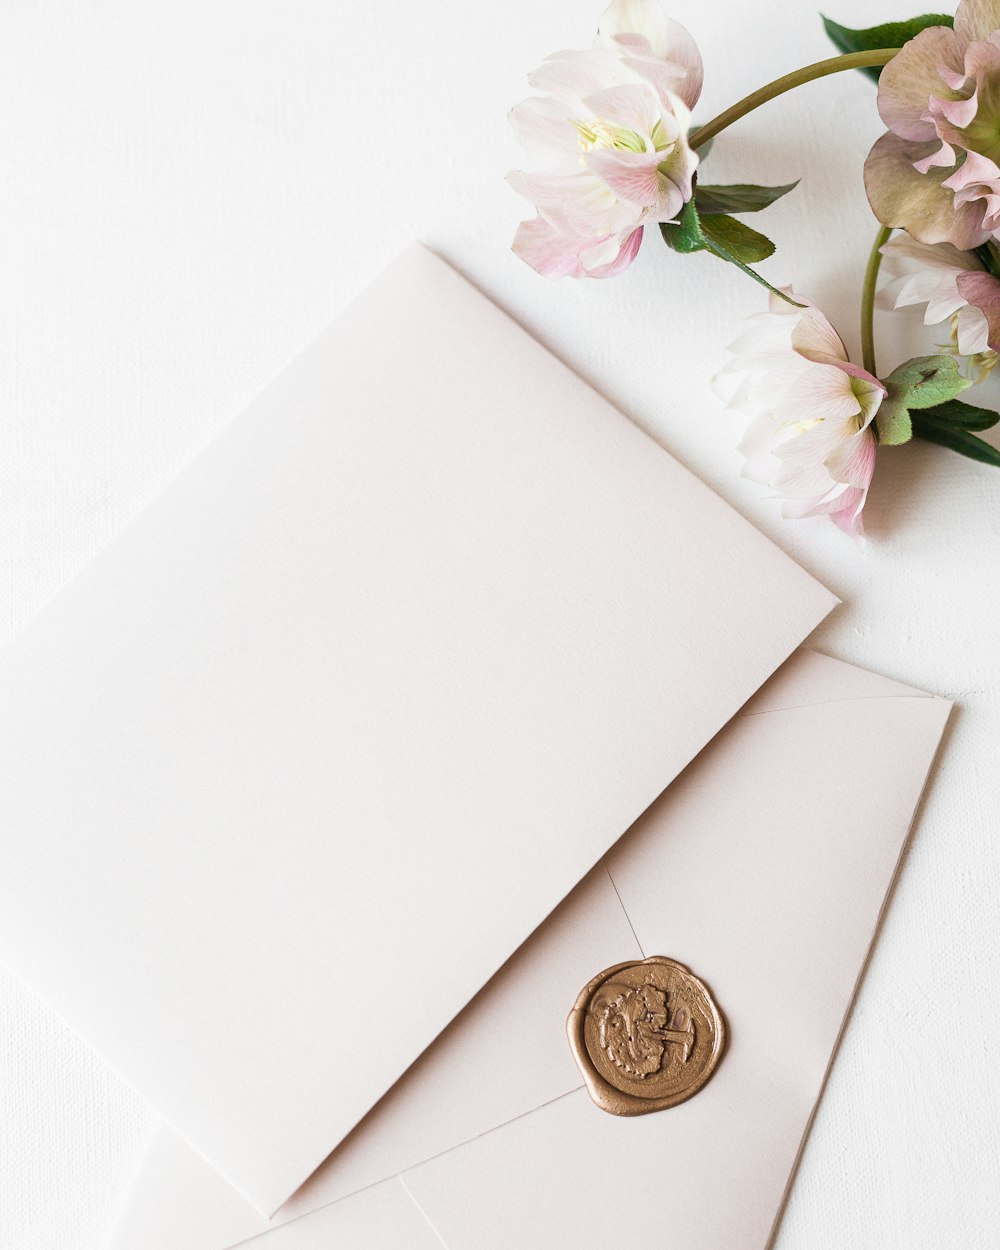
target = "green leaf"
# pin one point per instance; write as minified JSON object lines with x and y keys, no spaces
{"x":734,"y":240}
{"x":888,"y":35}
{"x":961,"y":416}
{"x":926,"y":381}
{"x":739,"y":197}
{"x":685,"y":234}
{"x":724,"y":237}
{"x":893,"y":421}
{"x":924,"y":426}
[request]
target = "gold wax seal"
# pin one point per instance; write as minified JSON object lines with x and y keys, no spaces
{"x":646,"y":1035}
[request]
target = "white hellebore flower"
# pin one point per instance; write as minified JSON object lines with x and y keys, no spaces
{"x":810,"y":434}
{"x":952,"y":284}
{"x":609,"y":142}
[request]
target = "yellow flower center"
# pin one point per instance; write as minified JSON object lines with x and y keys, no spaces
{"x":597,"y":134}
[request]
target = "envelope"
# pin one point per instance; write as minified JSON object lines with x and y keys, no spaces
{"x":358,"y":701}
{"x":764,"y":868}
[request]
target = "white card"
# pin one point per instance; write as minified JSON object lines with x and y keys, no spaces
{"x":351,"y":707}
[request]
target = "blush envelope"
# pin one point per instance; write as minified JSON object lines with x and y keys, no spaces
{"x":765,"y":867}
{"x":343,"y":715}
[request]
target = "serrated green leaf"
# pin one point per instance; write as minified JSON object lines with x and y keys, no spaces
{"x":893,"y":422}
{"x":724,"y":237}
{"x":962,"y":416}
{"x":685,"y":234}
{"x":962,"y":441}
{"x":739,"y":197}
{"x":735,"y":240}
{"x":926,"y":381}
{"x":888,"y":35}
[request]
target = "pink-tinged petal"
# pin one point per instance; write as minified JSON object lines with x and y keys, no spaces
{"x":547,"y":132}
{"x":848,"y":514}
{"x":973,"y":331}
{"x":977,"y":19}
{"x":556,"y":255}
{"x":942,"y":304}
{"x":672,"y":200}
{"x":548,"y":253}
{"x":821,"y":393}
{"x":576,"y":204}
{"x":632,"y":176}
{"x":912,"y":77}
{"x":943,"y":157}
{"x":931,"y":255}
{"x":957,"y":80}
{"x":958,"y":112}
{"x":853,"y":462}
{"x":808,"y":435}
{"x":668,"y":40}
{"x":678,"y":170}
{"x":983,"y":291}
{"x":621,"y":262}
{"x":799,"y":507}
{"x":975,"y":172}
{"x":573,"y":75}
{"x":816,"y":339}
{"x":632,"y":106}
{"x":918,"y":203}
{"x":806,"y":483}
{"x":667,"y":79}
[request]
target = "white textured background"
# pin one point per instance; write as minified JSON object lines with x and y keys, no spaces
{"x":191,"y":190}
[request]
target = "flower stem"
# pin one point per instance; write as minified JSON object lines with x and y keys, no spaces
{"x":868,"y":300}
{"x":832,"y":65}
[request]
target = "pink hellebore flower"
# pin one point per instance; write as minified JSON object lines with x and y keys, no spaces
{"x":936,"y":173}
{"x":609,"y":142}
{"x":952,"y":284}
{"x":811,"y":411}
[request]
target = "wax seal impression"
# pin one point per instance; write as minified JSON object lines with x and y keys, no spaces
{"x":646,"y":1035}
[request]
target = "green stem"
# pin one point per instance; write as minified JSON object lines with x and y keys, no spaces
{"x":833,"y":65}
{"x":868,"y":300}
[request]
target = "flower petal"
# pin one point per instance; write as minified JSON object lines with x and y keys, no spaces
{"x":644,"y":180}
{"x":556,"y":255}
{"x":816,"y":339}
{"x":822,"y":394}
{"x":977,"y":19}
{"x":913,"y":76}
{"x":546,"y":130}
{"x":918,"y":203}
{"x":573,"y":75}
{"x":933,"y":255}
{"x":621,"y":262}
{"x":547,"y":252}
{"x":667,"y":40}
{"x":848,"y":513}
{"x":853,"y":462}
{"x":633,"y":106}
{"x":973,"y":331}
{"x":983,"y":291}
{"x":633,"y":176}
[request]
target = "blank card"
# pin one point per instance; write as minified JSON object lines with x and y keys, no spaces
{"x":319,"y":740}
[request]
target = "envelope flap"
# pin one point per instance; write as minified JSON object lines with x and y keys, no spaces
{"x":810,"y":678}
{"x":765,"y":868}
